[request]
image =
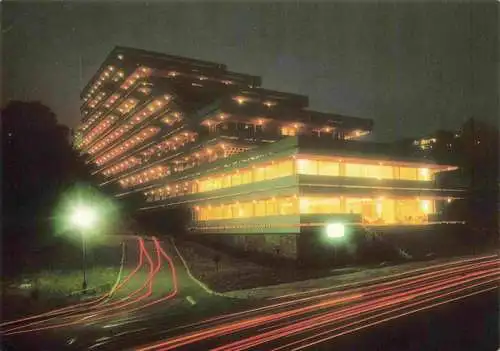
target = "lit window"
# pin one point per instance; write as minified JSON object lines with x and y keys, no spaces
{"x":288,"y":131}
{"x":424,"y":174}
{"x":307,"y":166}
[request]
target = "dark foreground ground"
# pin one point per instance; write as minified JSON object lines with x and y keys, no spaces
{"x":469,"y":324}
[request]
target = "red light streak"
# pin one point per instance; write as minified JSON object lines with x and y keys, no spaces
{"x":380,"y":303}
{"x":84,"y":304}
{"x":104,"y":313}
{"x":316,"y":322}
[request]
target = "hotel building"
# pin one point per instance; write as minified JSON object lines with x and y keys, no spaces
{"x":255,"y":165}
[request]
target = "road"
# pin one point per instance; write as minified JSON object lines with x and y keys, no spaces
{"x":157,"y":306}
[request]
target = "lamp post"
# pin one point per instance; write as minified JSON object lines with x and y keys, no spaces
{"x":335,"y":231}
{"x":83,"y":218}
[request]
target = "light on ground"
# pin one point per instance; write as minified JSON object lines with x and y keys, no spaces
{"x":335,"y":230}
{"x":83,"y":217}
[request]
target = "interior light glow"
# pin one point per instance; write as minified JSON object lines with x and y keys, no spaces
{"x":335,"y":230}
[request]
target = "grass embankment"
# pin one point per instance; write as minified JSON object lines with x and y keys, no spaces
{"x":40,"y":290}
{"x":236,"y":272}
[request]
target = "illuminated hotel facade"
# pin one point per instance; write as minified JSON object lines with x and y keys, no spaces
{"x":251,"y":163}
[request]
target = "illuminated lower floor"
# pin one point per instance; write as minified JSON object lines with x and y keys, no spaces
{"x":371,"y":210}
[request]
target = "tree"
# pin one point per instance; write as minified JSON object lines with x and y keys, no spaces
{"x":38,"y":165}
{"x":477,"y":155}
{"x":479,"y":150}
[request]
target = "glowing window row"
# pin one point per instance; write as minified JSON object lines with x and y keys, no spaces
{"x":134,"y":140}
{"x":98,"y":99}
{"x":256,"y":173}
{"x":372,"y":210}
{"x":145,"y":176}
{"x":91,"y":120}
{"x":172,"y":143}
{"x":140,"y":72}
{"x":286,"y":168}
{"x":127,"y":106}
{"x":136,"y":119}
{"x":99,"y":129}
{"x":106,"y":74}
{"x":255,"y":208}
{"x":246,"y":176}
{"x":111,"y":100}
{"x":348,"y":169}
{"x":178,"y":165}
{"x":122,"y":166}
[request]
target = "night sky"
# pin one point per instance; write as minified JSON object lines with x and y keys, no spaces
{"x":413,"y":68}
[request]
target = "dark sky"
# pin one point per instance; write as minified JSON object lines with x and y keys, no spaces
{"x":413,"y":68}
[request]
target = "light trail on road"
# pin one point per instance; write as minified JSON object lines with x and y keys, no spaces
{"x":432,"y":271}
{"x":326,"y":336}
{"x":287,"y":320}
{"x":102,"y":312}
{"x":345,"y":314}
{"x":80,"y":306}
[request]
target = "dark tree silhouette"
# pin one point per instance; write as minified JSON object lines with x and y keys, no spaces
{"x":479,"y":150}
{"x":476,"y":152}
{"x":38,"y":165}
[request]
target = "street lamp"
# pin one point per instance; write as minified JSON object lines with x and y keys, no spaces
{"x":83,"y":218}
{"x":335,"y":231}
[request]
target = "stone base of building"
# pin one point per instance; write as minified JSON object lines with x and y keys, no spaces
{"x":277,"y":245}
{"x":312,"y":248}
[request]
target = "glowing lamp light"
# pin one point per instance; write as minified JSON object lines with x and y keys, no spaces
{"x":83,"y":217}
{"x":335,"y":230}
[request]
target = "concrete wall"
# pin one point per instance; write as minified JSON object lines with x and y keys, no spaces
{"x":282,"y":245}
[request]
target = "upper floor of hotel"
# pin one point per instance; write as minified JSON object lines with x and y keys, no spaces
{"x":148,"y":116}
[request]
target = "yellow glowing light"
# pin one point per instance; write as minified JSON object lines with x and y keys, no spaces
{"x":424,"y":173}
{"x":378,"y":209}
{"x":425,"y":205}
{"x":240,"y":100}
{"x":335,"y":230}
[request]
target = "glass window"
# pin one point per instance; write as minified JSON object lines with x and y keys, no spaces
{"x":226,"y":181}
{"x":424,"y":174}
{"x":259,"y":174}
{"x":246,"y":177}
{"x":288,"y":131}
{"x":307,"y":167}
{"x":217,"y":183}
{"x":353,"y":170}
{"x":328,"y":168}
{"x":236,"y":179}
{"x":246,"y":209}
{"x":353,"y":205}
{"x":272,"y":171}
{"x":285,"y":168}
{"x":271,"y":207}
{"x":386,"y":172}
{"x":234,"y":210}
{"x":217,"y":212}
{"x":408,"y":173}
{"x":260,"y":208}
{"x":287,"y":206}
{"x":319,"y":205}
{"x":226,"y":211}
